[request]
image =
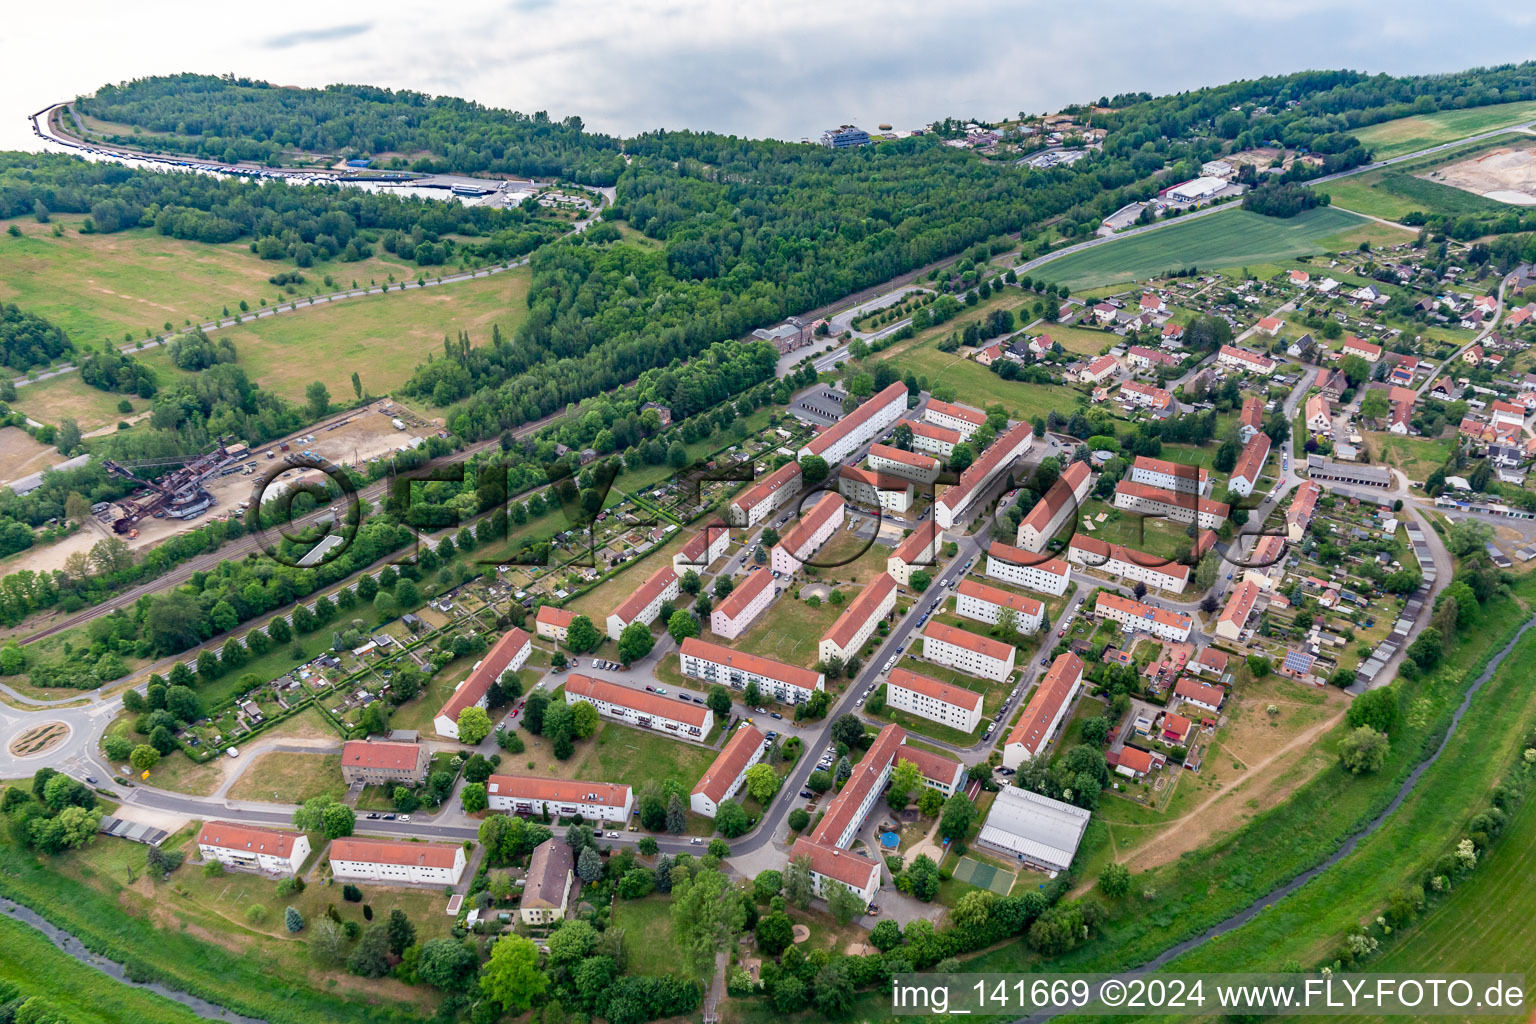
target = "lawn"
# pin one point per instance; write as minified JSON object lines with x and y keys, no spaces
{"x":1151,"y":534}
{"x":287,"y":777}
{"x":636,"y":757}
{"x":418,"y":712}
{"x":789,"y":631}
{"x":979,"y":386}
{"x":52,"y":400}
{"x":1230,"y":238}
{"x":1416,"y":456}
{"x":97,"y":287}
{"x":647,"y":928}
{"x":381,"y":337}
{"x":1408,"y":134}
{"x":1081,"y":340}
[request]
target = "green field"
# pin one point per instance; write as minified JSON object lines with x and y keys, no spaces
{"x":1392,"y":195}
{"x":1227,"y":239}
{"x":638,"y":757}
{"x":382,"y":337}
{"x":979,"y":386}
{"x":1408,"y":134}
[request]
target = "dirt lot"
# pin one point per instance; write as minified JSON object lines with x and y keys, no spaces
{"x":1506,"y":174}
{"x":1256,"y":761}
{"x":20,"y":455}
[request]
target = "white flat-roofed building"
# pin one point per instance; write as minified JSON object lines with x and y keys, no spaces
{"x":1136,"y":617}
{"x":1028,"y":569}
{"x":561,"y":798}
{"x":255,"y":849}
{"x":1250,"y":465}
{"x":915,"y":466}
{"x":934,"y":439}
{"x":973,"y":483}
{"x":712,"y":663}
{"x":975,"y":600}
{"x":723,"y":778}
{"x":766,"y":496}
{"x":832,"y":866}
{"x":1169,"y":476}
{"x":1138,"y":566}
{"x":1056,"y":508}
{"x":507,"y":655}
{"x":641,"y":708}
{"x":397,"y":862}
{"x":962,"y":419}
{"x":865,"y":487}
{"x":645,"y":603}
{"x":857,"y":623}
{"x":703,"y":548}
{"x":813,"y":529}
{"x":1197,"y":189}
{"x":1243,"y":359}
{"x":846,"y":436}
{"x":919,"y":552}
{"x":1045,"y":711}
{"x":963,"y":650}
{"x":553,"y":623}
{"x":741,"y":607}
{"x":1033,"y":829}
{"x":944,"y":703}
{"x":1181,"y":508}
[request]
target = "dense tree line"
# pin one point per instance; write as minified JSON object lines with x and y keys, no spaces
{"x":242,"y":119}
{"x":28,"y":340}
{"x":1282,"y":199}
{"x":112,"y":370}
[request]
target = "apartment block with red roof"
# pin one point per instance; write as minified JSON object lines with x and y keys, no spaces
{"x":1181,"y":508}
{"x":1170,"y":476}
{"x":713,"y":663}
{"x":831,"y":865}
{"x":383,"y":763}
{"x":1136,"y":617}
{"x":703,"y":548}
{"x":277,"y":851}
{"x":937,"y":701}
{"x":845,"y":436}
{"x":641,"y":708}
{"x":392,"y":861}
{"x":741,"y":607}
{"x":645,"y":603}
{"x":813,"y":529}
{"x":857,"y":624}
{"x":1045,"y":711}
{"x":1250,"y":465}
{"x":846,"y":813}
{"x":934,"y":439}
{"x":1134,"y":392}
{"x":1128,"y":563}
{"x":723,"y":779}
{"x":962,"y":419}
{"x":968,"y":652}
{"x":956,"y":501}
{"x":1234,"y":616}
{"x":552,"y":623}
{"x":915,"y":466}
{"x":560,"y":798}
{"x":918,"y":552}
{"x":507,"y":655}
{"x":766,"y":496}
{"x":1366,"y":350}
{"x":1028,"y":569}
{"x":1243,"y":359}
{"x":876,"y":490}
{"x":1251,"y":420}
{"x":976,"y":600}
{"x":1299,"y":516}
{"x":1056,"y":508}
{"x":1099,"y":369}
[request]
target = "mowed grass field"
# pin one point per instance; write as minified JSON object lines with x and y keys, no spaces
{"x":382,"y":338}
{"x":1227,"y":239}
{"x":97,"y":287}
{"x":1408,"y":134}
{"x":979,"y":386}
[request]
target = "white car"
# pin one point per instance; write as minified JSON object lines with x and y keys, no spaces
{"x":613,"y":835}
{"x":405,"y":817}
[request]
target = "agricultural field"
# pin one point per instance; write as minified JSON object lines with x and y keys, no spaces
{"x":1408,"y":134}
{"x":1393,"y":192}
{"x":1227,"y":239}
{"x":382,"y":338}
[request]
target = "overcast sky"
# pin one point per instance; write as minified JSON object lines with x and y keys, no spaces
{"x":786,"y":68}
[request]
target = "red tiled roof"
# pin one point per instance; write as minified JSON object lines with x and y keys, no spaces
{"x":560,"y":618}
{"x":636,"y":700}
{"x":983,"y":468}
{"x":400,"y":757}
{"x":1361,"y":345}
{"x":726,"y":768}
{"x":938,"y":433}
{"x":1135,"y":759}
{"x":932,"y":766}
{"x":1007,"y":598}
{"x":1194,"y":689}
{"x":791,"y":675}
{"x":1161,"y":397}
{"x":852,"y":869}
{"x":984,"y":646}
{"x":1018,"y":556}
{"x":1240,"y":603}
{"x":754,"y":496}
{"x":933,"y":688}
{"x":923,"y":543}
{"x":1173,"y":469}
{"x":915,"y":459}
{"x":696,"y":546}
{"x":959,"y":412}
{"x":487,"y":672}
{"x":1251,"y":460}
{"x":856,"y":419}
{"x":1100,"y":549}
{"x":1253,"y":412}
{"x":1162,"y":616}
{"x":654,"y":584}
{"x":385,"y":851}
{"x":866,"y":775}
{"x":561,"y":791}
{"x":1183,"y":501}
{"x":860,"y":610}
{"x":229,"y":835}
{"x":1051,"y":694}
{"x":745,"y":592}
{"x":798,"y":537}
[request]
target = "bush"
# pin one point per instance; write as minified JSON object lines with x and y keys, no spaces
{"x":351,"y":893}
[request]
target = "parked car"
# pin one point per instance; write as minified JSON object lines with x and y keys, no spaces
{"x":775,"y":714}
{"x":661,"y":690}
{"x":650,"y":689}
{"x":696,"y":841}
{"x":390,"y":817}
{"x":405,"y":817}
{"x":373,"y":816}
{"x":808,"y":794}
{"x":91,"y":779}
{"x":761,"y":711}
{"x":613,"y":835}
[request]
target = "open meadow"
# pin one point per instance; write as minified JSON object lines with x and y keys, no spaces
{"x":1408,"y":134}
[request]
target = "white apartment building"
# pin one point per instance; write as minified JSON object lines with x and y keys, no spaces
{"x":1185,"y":508}
{"x":712,"y":663}
{"x":1242,"y":359}
{"x":724,"y":777}
{"x":973,"y":483}
{"x":928,"y":698}
{"x":254,"y":849}
{"x":1250,"y":464}
{"x":962,"y":419}
{"x":1137,"y":566}
{"x":766,"y":496}
{"x":683,"y":719}
{"x":846,"y":813}
{"x":914,"y":466}
{"x":863,"y":487}
{"x":741,"y":607}
{"x":965,"y":651}
{"x":934,"y":439}
{"x":918,"y":552}
{"x":702,"y":549}
{"x":810,"y":531}
{"x":1169,"y":476}
{"x":974,"y":600}
{"x":833,"y":866}
{"x":1136,"y":617}
{"x":1045,"y":711}
{"x":391,"y":862}
{"x":552,"y":623}
{"x":857,"y":623}
{"x":645,"y":603}
{"x":1028,"y":569}
{"x":560,"y":798}
{"x":507,"y":655}
{"x":1056,"y":508}
{"x":846,"y":436}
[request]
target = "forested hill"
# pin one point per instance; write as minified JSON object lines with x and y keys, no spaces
{"x":234,"y":119}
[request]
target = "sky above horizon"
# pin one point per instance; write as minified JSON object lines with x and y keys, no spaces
{"x":786,"y":69}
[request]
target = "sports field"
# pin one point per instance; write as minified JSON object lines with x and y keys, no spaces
{"x":1407,"y":134}
{"x":983,"y":876}
{"x":1230,"y":238}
